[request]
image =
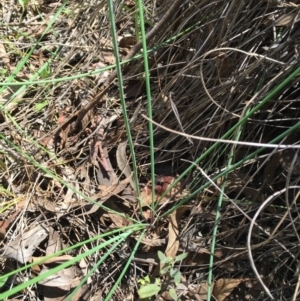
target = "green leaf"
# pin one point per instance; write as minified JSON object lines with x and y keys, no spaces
{"x":24,"y":4}
{"x":177,"y":277}
{"x":3,"y":280}
{"x":157,"y":281}
{"x":39,"y":106}
{"x":173,"y":272}
{"x":181,"y":257}
{"x":165,"y":270}
{"x":141,"y":282}
{"x":173,"y":294}
{"x":144,"y":281}
{"x":163,"y":258}
{"x":45,"y":72}
{"x":148,"y":290}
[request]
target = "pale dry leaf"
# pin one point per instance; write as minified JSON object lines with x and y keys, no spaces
{"x":147,"y":214}
{"x":286,"y":19}
{"x":57,"y":287}
{"x":123,"y":162}
{"x":223,"y":287}
{"x":60,"y":293}
{"x":118,"y":220}
{"x":10,"y":93}
{"x":70,"y":178}
{"x":3,"y":55}
{"x":55,"y":243}
{"x":199,"y":291}
{"x":70,"y":276}
{"x":56,"y":259}
{"x":152,"y":242}
{"x":25,"y":244}
{"x":102,"y":76}
{"x":107,"y":56}
{"x":173,"y":242}
{"x":106,"y":175}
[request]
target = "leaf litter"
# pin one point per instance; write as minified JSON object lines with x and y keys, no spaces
{"x":89,"y":151}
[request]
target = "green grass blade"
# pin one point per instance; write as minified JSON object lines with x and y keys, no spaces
{"x":272,"y":94}
{"x":14,"y":290}
{"x":149,"y":98}
{"x":108,"y":297}
{"x":122,"y":95}
{"x":95,"y":267}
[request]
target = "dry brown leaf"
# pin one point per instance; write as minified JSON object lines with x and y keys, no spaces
{"x":284,"y":159}
{"x":228,"y":266}
{"x":199,"y":291}
{"x":114,"y":189}
{"x":201,"y":257}
{"x":6,"y":223}
{"x":127,"y":42}
{"x":118,"y":220}
{"x":160,"y":188}
{"x":223,"y":287}
{"x":103,"y":195}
